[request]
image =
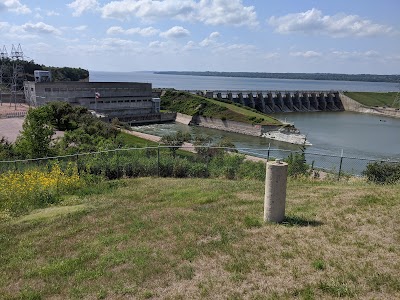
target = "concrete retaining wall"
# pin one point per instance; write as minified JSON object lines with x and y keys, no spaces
{"x":183,"y":119}
{"x":352,"y":105}
{"x":232,"y":126}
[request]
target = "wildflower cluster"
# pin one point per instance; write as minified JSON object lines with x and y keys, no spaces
{"x":20,"y":191}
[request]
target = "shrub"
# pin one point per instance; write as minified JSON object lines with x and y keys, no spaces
{"x":297,"y":164}
{"x":382,"y":172}
{"x":20,"y":192}
{"x":252,"y":170}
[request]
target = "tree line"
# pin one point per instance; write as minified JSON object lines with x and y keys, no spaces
{"x":304,"y":76}
{"x":58,"y":73}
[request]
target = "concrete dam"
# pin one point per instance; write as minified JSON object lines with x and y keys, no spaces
{"x":279,"y":102}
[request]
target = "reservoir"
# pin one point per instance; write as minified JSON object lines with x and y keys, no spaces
{"x":358,"y":135}
{"x":183,"y":82}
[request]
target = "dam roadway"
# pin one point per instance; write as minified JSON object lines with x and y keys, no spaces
{"x":279,"y":101}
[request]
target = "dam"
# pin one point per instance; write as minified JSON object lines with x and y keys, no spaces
{"x":279,"y":101}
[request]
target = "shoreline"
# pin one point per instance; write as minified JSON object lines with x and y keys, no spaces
{"x":186,"y":146}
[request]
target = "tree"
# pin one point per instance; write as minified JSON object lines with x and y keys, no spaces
{"x":6,"y":149}
{"x":175,"y":141}
{"x":36,"y":134}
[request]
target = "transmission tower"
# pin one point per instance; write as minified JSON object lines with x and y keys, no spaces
{"x":3,"y":81}
{"x":18,"y":74}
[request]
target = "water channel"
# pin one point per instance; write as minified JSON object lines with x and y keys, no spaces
{"x":358,"y":135}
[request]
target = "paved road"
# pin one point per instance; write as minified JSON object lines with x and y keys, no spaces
{"x":10,"y":128}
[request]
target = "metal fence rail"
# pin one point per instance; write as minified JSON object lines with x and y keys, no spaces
{"x":337,"y":165}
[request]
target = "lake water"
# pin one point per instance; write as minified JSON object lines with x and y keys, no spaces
{"x":358,"y":135}
{"x":182,"y":82}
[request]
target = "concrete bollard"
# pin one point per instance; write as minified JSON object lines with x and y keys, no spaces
{"x":275,"y":191}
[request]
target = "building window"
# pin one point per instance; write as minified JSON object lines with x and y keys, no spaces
{"x":47,"y":89}
{"x":56,"y":89}
{"x":32,"y":89}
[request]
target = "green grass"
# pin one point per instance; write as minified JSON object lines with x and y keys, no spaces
{"x":129,"y":140}
{"x":202,"y":238}
{"x":373,"y":99}
{"x":193,"y":104}
{"x":248,"y":113}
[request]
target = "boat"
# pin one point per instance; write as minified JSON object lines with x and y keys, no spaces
{"x":288,"y":134}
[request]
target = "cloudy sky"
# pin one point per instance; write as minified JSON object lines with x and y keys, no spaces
{"x":338,"y":36}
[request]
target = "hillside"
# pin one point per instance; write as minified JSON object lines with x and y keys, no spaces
{"x":200,"y":238}
{"x":373,"y":99}
{"x":58,"y":73}
{"x":190,"y":104}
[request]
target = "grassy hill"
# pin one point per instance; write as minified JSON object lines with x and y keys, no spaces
{"x":200,"y":238}
{"x":373,"y":99}
{"x":189,"y":104}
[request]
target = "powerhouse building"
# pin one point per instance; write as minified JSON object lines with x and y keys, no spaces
{"x":128,"y":101}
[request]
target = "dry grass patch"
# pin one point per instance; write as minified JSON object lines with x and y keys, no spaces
{"x":163,"y":238}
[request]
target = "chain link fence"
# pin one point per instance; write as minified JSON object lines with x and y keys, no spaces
{"x":195,"y":162}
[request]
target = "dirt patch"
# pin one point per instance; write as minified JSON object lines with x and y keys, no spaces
{"x":7,"y":109}
{"x":10,"y":128}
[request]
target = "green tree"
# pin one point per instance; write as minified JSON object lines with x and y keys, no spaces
{"x":175,"y":141}
{"x":297,"y":164}
{"x":6,"y":149}
{"x":36,"y":134}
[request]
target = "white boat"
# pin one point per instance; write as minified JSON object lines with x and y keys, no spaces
{"x":288,"y":134}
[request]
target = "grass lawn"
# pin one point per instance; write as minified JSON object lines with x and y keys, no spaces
{"x":373,"y":99}
{"x":248,"y":113}
{"x":202,"y":238}
{"x":134,"y":141}
{"x":189,"y":104}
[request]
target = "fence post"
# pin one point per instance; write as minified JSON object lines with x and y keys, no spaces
{"x":158,"y":160}
{"x":269,"y":147}
{"x":275,"y":191}
{"x":77,"y":164}
{"x":340,"y":165}
{"x":15,"y":166}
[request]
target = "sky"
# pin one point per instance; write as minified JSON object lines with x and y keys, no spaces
{"x":330,"y":36}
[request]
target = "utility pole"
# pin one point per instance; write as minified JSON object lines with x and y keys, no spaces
{"x":3,"y":82}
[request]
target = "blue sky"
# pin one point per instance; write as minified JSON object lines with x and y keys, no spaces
{"x":207,"y":35}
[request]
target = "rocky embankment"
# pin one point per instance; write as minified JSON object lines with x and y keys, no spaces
{"x":352,"y":105}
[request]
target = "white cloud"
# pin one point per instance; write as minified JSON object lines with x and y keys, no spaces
{"x":340,"y":25}
{"x":4,"y":25}
{"x":14,"y":6}
{"x":175,"y":32}
{"x":271,"y":55}
{"x":210,"y":12}
{"x":80,"y":28}
{"x":147,"y":31}
{"x":226,"y":12}
{"x":306,"y":54}
{"x":51,"y":13}
{"x":210,"y":40}
{"x":370,"y":54}
{"x":214,"y":35}
{"x":39,"y":28}
{"x":80,"y":6}
{"x":190,"y":46}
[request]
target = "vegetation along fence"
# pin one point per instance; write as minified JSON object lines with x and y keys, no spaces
{"x":168,"y":161}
